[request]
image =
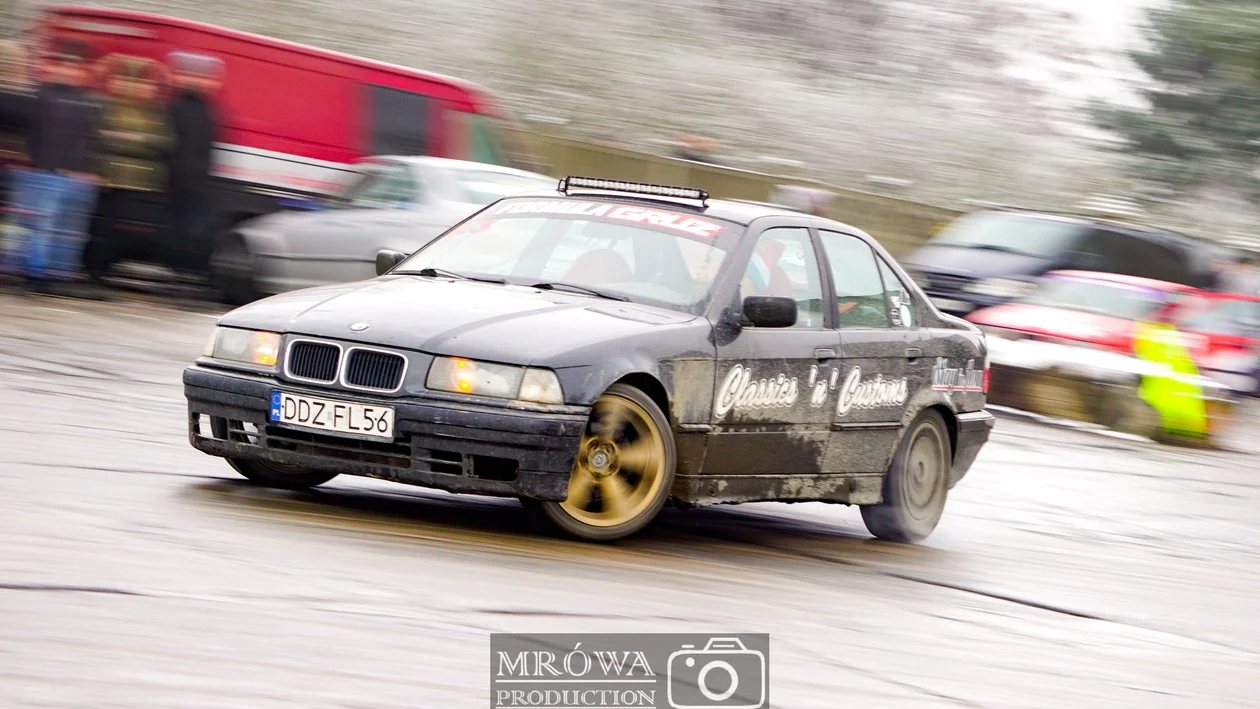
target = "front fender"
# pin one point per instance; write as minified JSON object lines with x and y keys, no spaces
{"x":262,"y":242}
{"x":583,"y":385}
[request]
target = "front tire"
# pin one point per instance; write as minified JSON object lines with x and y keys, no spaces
{"x":278,"y":475}
{"x":233,"y":272}
{"x":916,"y":485}
{"x":624,"y":469}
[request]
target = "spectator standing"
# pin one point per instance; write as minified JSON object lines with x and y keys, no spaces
{"x":15,"y":97}
{"x":133,"y":129}
{"x":60,"y":191}
{"x":136,"y":144}
{"x":194,"y":125}
{"x":1240,"y":276}
{"x":15,"y":100}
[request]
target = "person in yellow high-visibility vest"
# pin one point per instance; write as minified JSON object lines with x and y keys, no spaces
{"x":1177,"y":394}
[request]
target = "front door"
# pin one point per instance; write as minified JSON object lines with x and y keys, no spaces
{"x":880,"y":364}
{"x":768,"y":417}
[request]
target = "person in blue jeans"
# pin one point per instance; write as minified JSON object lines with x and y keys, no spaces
{"x":58,"y":193}
{"x":15,"y":97}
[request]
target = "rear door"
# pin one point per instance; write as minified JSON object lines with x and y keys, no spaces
{"x":881,"y":358}
{"x":767,"y":421}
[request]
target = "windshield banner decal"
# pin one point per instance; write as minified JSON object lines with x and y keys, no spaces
{"x":625,"y":213}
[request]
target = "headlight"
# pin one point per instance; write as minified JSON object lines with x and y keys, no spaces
{"x":1000,"y":287}
{"x":245,"y":346}
{"x":501,"y":381}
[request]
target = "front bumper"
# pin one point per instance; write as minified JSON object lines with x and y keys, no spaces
{"x":460,"y":447}
{"x":973,"y":433}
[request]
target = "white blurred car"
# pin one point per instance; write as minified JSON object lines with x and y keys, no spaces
{"x":398,"y":203}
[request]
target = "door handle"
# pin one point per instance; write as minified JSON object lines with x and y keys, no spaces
{"x":913,"y":353}
{"x":824,"y":353}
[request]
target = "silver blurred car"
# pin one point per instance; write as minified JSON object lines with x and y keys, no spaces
{"x":398,"y":203}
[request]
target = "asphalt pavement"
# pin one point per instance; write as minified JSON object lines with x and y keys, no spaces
{"x":1072,"y":569}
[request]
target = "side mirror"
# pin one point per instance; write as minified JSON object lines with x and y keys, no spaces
{"x":386,"y":259}
{"x":769,"y":311}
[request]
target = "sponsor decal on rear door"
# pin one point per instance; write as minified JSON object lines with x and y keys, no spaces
{"x":965,"y":378}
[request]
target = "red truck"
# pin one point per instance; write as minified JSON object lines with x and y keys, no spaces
{"x":293,"y":119}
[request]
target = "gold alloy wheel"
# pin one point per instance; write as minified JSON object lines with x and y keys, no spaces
{"x":620,"y":464}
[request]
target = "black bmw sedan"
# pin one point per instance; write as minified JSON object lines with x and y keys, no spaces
{"x":606,"y":348}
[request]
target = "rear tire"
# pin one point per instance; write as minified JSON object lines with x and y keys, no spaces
{"x":233,"y":272}
{"x":916,"y":485}
{"x":278,"y":475}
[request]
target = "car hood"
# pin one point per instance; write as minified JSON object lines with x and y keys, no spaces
{"x":1056,"y":322}
{"x":975,"y":263}
{"x":511,"y":324}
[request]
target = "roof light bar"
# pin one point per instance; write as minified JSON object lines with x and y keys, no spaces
{"x":595,"y":183}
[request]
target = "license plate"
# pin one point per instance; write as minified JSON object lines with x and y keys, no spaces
{"x":342,"y":417}
{"x":950,"y":305}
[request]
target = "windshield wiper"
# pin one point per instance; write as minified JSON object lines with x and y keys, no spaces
{"x":579,"y":289}
{"x":443,"y":273}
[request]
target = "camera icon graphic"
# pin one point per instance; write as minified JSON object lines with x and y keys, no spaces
{"x":724,"y":675}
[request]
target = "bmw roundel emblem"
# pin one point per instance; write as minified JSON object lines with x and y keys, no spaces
{"x":359,"y":327}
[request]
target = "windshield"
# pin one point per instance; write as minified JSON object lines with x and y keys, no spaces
{"x":1115,"y":299}
{"x":643,"y":254}
{"x":1015,"y":233}
{"x":486,"y":186}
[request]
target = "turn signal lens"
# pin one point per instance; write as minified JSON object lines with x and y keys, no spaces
{"x":245,"y":346}
{"x":541,"y":386}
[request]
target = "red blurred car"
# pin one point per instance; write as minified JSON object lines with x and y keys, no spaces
{"x":1083,"y":308}
{"x":1222,"y":333}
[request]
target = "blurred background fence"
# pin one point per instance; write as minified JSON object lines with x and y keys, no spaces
{"x":900,"y":225}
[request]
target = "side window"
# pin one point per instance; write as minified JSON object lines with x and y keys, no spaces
{"x":400,"y":122}
{"x":393,"y":185}
{"x":1231,"y":317}
{"x":783,"y":264}
{"x":1133,"y":255}
{"x":900,"y":307}
{"x":860,"y":295}
{"x":1153,"y":260}
{"x":1107,"y":251}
